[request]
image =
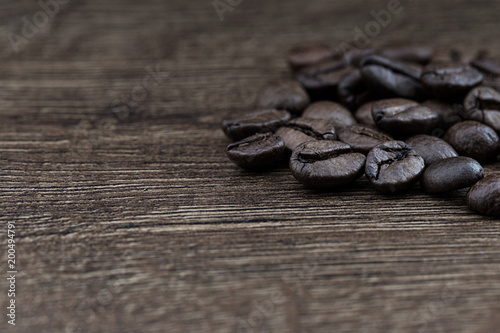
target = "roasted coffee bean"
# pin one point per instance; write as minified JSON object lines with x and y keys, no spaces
{"x":283,"y":94}
{"x":393,"y":166}
{"x":354,"y":57}
{"x":487,"y":66}
{"x":362,"y":138}
{"x":449,"y":115}
{"x":484,"y":196}
{"x":330,"y":111}
{"x":260,"y":121}
{"x":446,"y":55}
{"x":364,"y":114}
{"x":326,"y":164}
{"x":403,"y":117}
{"x":459,"y":100}
{"x":300,"y":130}
{"x":352,"y":90}
{"x":308,"y":54}
{"x":492,"y":82}
{"x":467,"y":58}
{"x":431,"y":148}
{"x":483,"y":104}
{"x":410,"y":53}
{"x":321,"y":80}
{"x":393,"y":78}
{"x":450,"y":81}
{"x":451,"y":174}
{"x":473,"y":139}
{"x":490,"y":69}
{"x":482,"y":54}
{"x":257,"y":151}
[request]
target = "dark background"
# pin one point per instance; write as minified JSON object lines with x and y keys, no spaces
{"x":135,"y":221}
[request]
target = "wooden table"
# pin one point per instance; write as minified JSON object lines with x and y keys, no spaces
{"x":130,"y":218}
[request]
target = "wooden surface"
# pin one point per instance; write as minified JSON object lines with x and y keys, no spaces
{"x":139,"y":223}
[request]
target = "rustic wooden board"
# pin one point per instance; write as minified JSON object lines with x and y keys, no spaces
{"x":138,"y":222}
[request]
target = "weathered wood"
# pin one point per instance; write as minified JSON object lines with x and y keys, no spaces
{"x":139,"y":223}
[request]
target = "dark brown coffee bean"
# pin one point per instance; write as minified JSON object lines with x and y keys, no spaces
{"x":487,"y":66}
{"x":431,"y":148}
{"x":490,"y":68}
{"x":403,"y":117}
{"x":451,"y":174}
{"x":484,"y":196}
{"x":446,"y":55}
{"x":259,"y":121}
{"x":321,"y":80}
{"x":362,"y":138}
{"x":482,"y":54}
{"x":483,"y":104}
{"x":450,"y":81}
{"x":354,"y":57}
{"x":417,"y":54}
{"x":284,"y":95}
{"x":473,"y":139}
{"x":364,"y":114}
{"x":449,"y":114}
{"x":326,"y":164}
{"x":330,"y":111}
{"x":308,"y":54}
{"x":393,"y":166}
{"x":257,"y":151}
{"x":302,"y":129}
{"x":492,"y":82}
{"x":467,"y":58}
{"x":352,"y":90}
{"x":393,"y":78}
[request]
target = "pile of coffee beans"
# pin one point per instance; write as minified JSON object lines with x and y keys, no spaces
{"x":398,"y":115}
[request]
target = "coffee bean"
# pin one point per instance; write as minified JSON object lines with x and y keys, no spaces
{"x":364,"y":114}
{"x":482,"y":54}
{"x":483,"y":104}
{"x":466,"y":58}
{"x":446,"y":55}
{"x":308,"y":54}
{"x":393,"y":78}
{"x":326,"y":164}
{"x":330,"y":111}
{"x":300,"y":130}
{"x":473,"y":139}
{"x":431,"y":148}
{"x":362,"y":138}
{"x":403,"y":117}
{"x":492,"y":82}
{"x":257,"y":151}
{"x":242,"y":126}
{"x":352,"y":90}
{"x":393,"y":167}
{"x":484,"y":196}
{"x":449,"y":114}
{"x":451,"y":174}
{"x":450,"y":81}
{"x":487,"y":66}
{"x":455,"y":96}
{"x":321,"y":80}
{"x":417,"y":54}
{"x":283,"y":94}
{"x":355,"y":56}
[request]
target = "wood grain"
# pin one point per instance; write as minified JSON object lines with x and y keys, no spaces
{"x":139,"y":223}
